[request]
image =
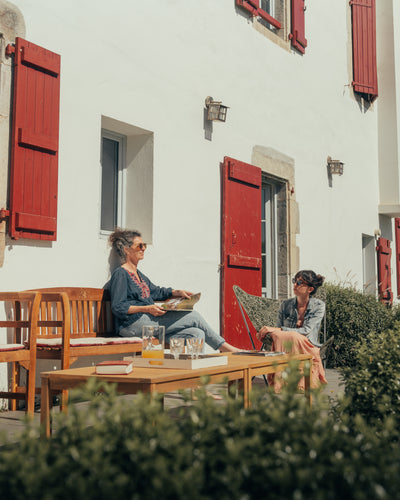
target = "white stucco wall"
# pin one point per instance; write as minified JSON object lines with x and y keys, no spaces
{"x":151,"y":65}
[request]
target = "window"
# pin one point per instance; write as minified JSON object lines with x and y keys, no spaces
{"x":369,"y":266}
{"x":268,"y":7}
{"x":280,"y":20}
{"x":269,"y":239}
{"x":112,"y":180}
{"x":126,"y":191}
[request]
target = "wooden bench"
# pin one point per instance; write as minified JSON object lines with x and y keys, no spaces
{"x":19,"y":319}
{"x":76,"y":322}
{"x":72,"y":322}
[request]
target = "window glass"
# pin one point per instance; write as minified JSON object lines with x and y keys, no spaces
{"x":109,"y":183}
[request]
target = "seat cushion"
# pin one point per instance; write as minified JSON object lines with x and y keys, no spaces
{"x":11,"y":347}
{"x":87,"y":341}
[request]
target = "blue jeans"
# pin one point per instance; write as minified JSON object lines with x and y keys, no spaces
{"x":177,"y":324}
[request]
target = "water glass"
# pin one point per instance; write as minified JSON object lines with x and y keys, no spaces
{"x":195,"y":347}
{"x":176,"y":346}
{"x":153,"y":338}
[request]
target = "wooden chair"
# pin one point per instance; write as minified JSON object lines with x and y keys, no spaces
{"x":21,"y":310}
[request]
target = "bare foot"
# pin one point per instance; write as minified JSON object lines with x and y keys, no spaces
{"x":225,"y":347}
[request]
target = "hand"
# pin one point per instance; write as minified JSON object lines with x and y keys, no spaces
{"x":182,"y":293}
{"x":264,"y":331}
{"x":155,"y":310}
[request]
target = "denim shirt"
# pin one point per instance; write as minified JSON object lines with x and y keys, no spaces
{"x":287,"y":318}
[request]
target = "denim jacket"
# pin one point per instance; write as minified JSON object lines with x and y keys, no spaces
{"x":287,"y":318}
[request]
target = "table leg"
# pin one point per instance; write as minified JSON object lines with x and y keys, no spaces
{"x":45,"y":408}
{"x":247,"y":384}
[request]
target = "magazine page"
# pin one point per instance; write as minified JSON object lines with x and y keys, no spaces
{"x":180,"y":303}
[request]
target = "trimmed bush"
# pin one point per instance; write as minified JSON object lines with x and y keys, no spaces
{"x":350,"y":316}
{"x":279,"y":448}
{"x":372,"y":385}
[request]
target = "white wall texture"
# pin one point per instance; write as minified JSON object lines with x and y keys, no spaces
{"x":151,"y":65}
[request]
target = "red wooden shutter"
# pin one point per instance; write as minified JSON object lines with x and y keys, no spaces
{"x":250,"y":5}
{"x":365,"y":79}
{"x":34,"y":142}
{"x":241,"y":244}
{"x":384,"y":278}
{"x":397,"y":237}
{"x":297,"y":35}
{"x":253,"y":6}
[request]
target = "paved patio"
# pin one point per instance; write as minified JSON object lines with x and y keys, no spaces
{"x":12,"y":422}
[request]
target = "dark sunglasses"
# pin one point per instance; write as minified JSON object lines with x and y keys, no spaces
{"x":141,"y":246}
{"x":299,"y":282}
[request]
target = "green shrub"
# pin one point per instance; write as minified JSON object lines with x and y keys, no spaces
{"x":372,"y":385}
{"x":278,"y":449}
{"x":350,"y":316}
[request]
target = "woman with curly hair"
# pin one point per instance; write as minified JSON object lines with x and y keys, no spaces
{"x":133,"y":298}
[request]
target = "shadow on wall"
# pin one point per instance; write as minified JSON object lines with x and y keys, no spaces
{"x":113,"y":260}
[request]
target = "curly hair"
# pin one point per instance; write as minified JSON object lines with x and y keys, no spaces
{"x":312,"y":279}
{"x":122,"y":238}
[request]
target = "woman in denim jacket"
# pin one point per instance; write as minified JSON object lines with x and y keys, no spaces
{"x":298,"y":325}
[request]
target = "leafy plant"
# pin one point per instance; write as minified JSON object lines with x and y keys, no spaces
{"x":350,"y":316}
{"x":279,"y":448}
{"x":372,"y":385}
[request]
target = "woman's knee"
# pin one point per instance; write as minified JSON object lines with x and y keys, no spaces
{"x":190,"y":333}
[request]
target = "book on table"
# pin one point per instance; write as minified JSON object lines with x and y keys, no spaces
{"x":180,"y":303}
{"x":117,"y":367}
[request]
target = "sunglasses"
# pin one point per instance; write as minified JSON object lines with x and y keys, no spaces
{"x":140,"y":246}
{"x":299,"y":282}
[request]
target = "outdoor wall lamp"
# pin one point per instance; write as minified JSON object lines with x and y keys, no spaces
{"x":216,"y":111}
{"x":335,"y":166}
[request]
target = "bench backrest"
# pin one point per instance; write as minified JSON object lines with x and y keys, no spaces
{"x":89,"y":312}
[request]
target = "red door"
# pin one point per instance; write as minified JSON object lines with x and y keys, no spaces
{"x":241,"y":244}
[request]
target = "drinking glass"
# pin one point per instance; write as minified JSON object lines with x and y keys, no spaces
{"x":176,"y":346}
{"x":195,"y":347}
{"x":153,"y":343}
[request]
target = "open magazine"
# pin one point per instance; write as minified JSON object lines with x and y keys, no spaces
{"x":180,"y":303}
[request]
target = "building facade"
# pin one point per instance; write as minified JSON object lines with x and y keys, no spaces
{"x":129,"y":143}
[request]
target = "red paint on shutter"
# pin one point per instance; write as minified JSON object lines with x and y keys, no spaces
{"x":249,"y":5}
{"x":384,"y":254}
{"x":365,"y":79}
{"x":34,"y":143}
{"x":297,"y":34}
{"x":241,"y":244}
{"x":397,"y":238}
{"x":253,"y":6}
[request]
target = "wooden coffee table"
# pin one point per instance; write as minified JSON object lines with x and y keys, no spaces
{"x":241,"y":368}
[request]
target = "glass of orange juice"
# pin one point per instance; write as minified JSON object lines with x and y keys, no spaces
{"x":153,"y":344}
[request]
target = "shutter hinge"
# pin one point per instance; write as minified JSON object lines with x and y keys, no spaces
{"x":4,"y":214}
{"x":10,"y":49}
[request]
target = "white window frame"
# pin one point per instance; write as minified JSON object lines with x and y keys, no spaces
{"x":121,"y":177}
{"x":271,"y":241}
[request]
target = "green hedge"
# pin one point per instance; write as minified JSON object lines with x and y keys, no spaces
{"x":277,"y":449}
{"x":372,"y":385}
{"x":350,"y":316}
